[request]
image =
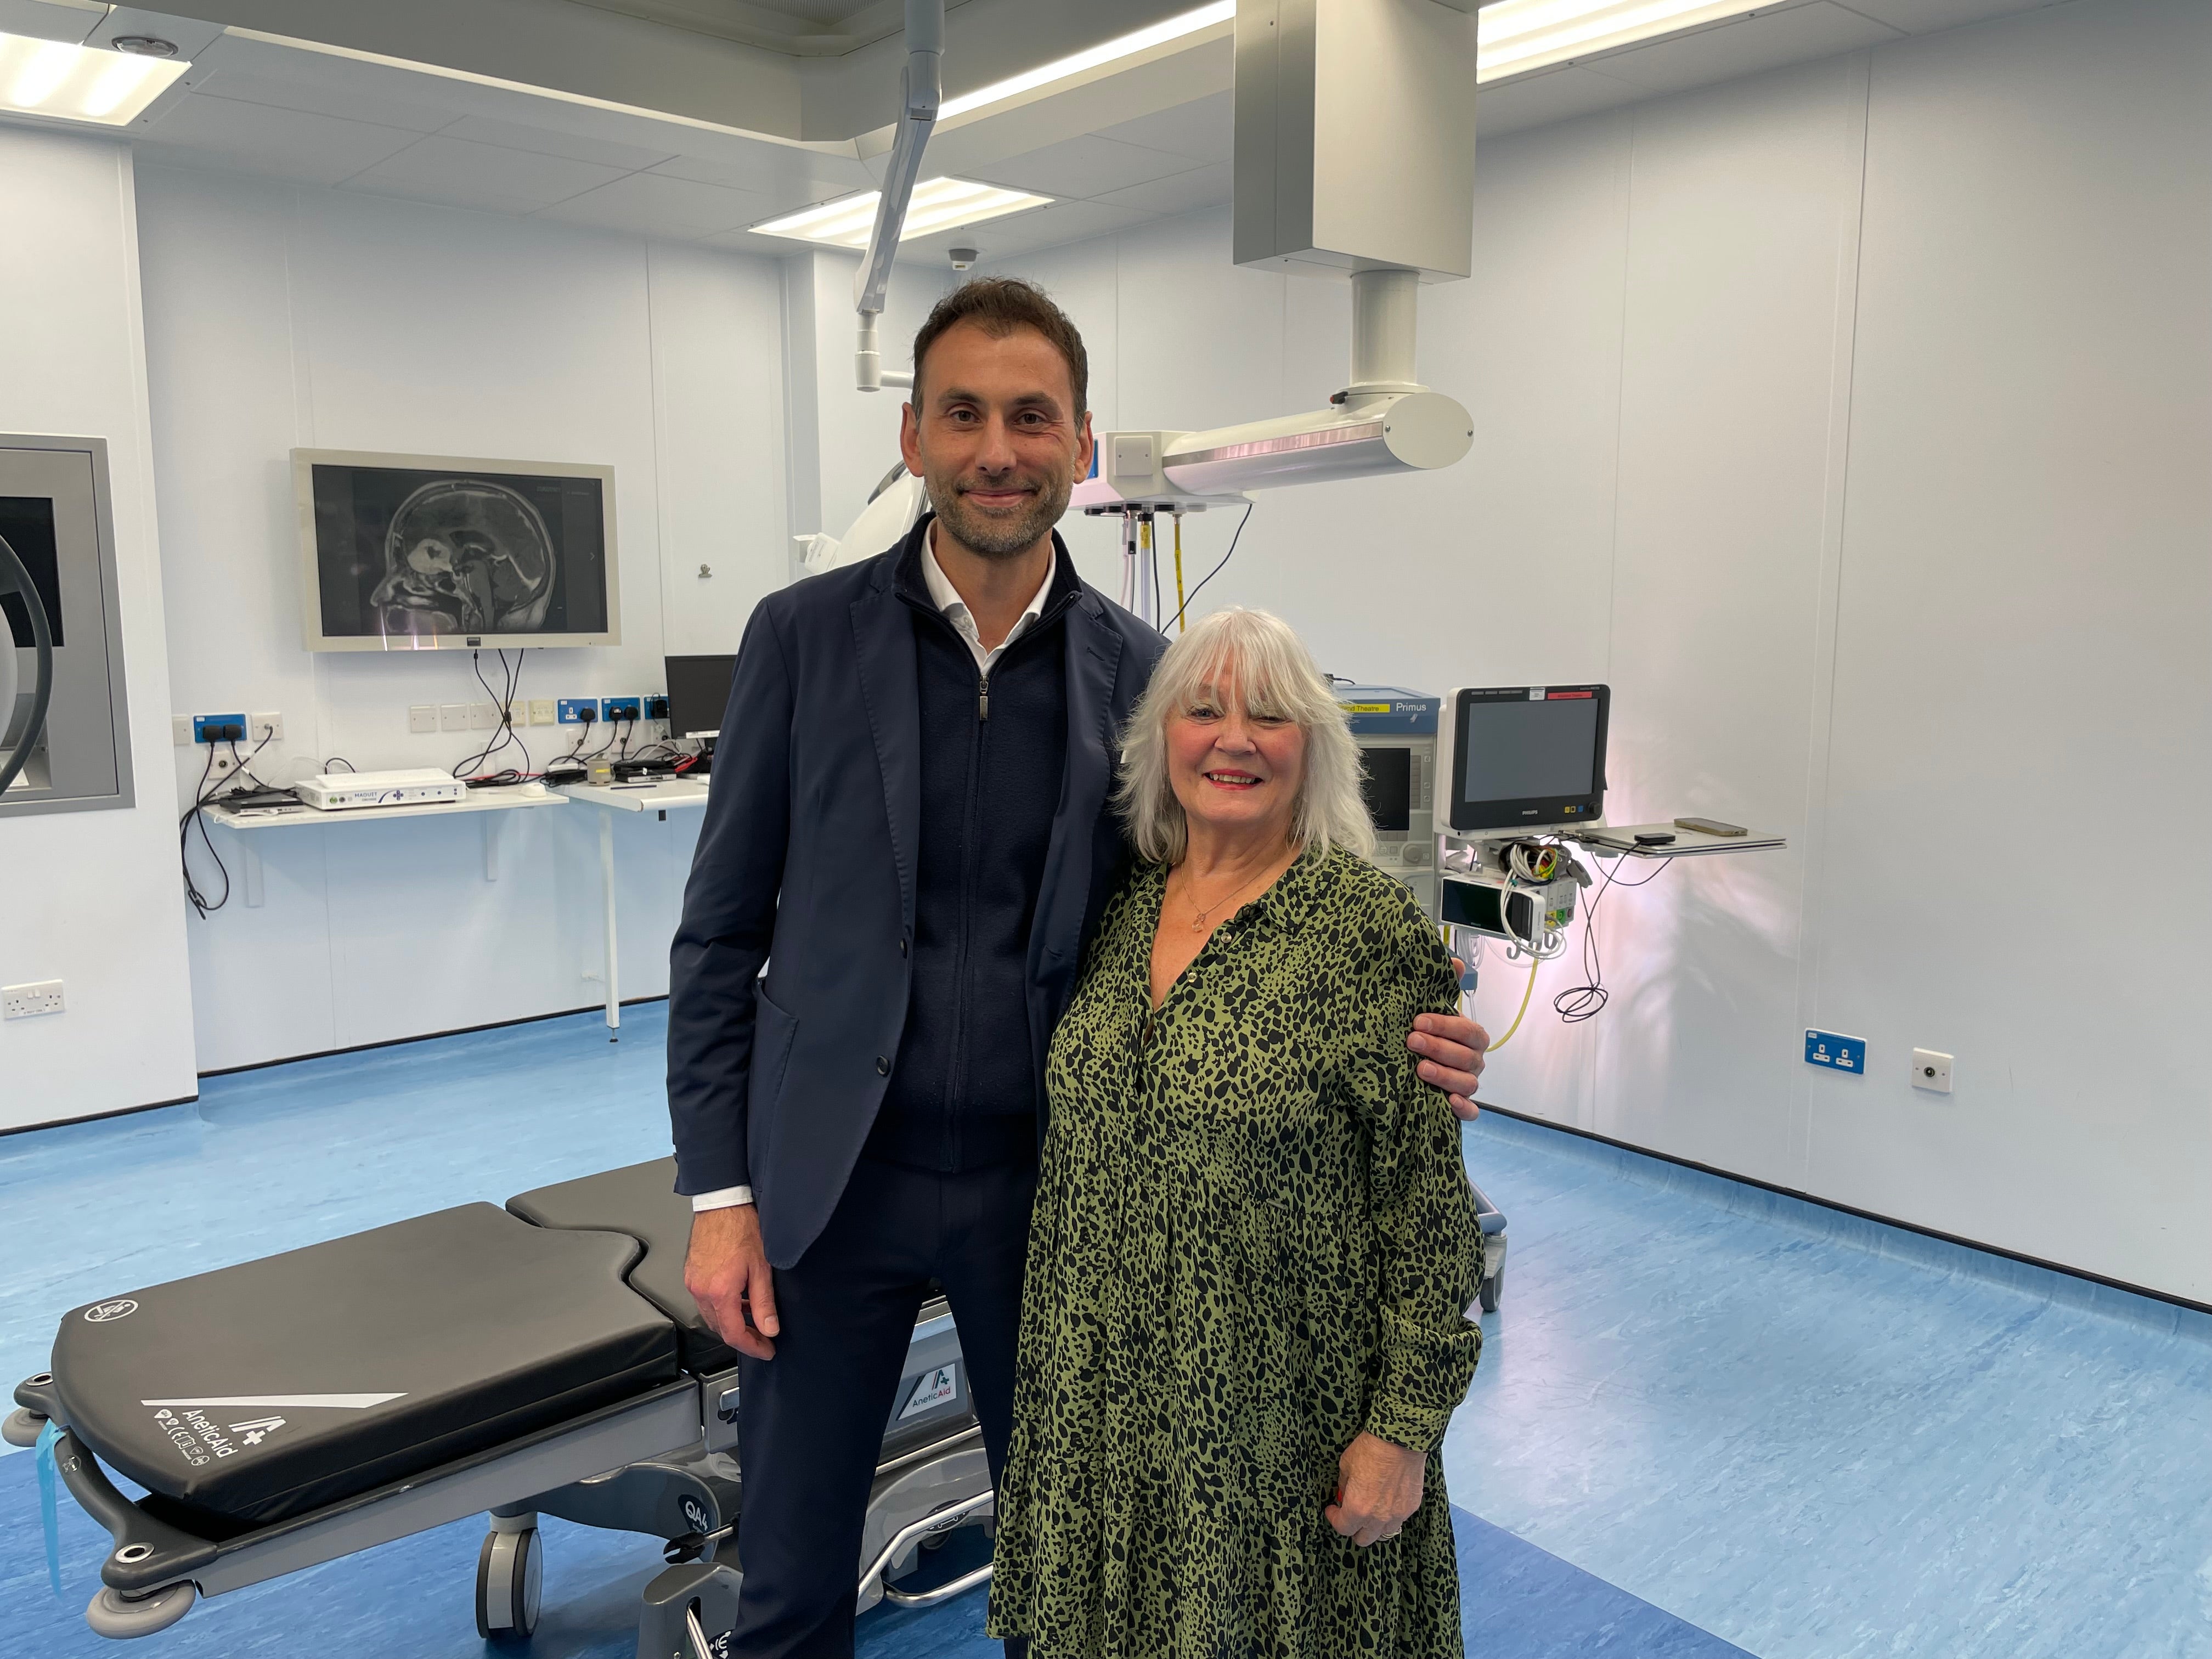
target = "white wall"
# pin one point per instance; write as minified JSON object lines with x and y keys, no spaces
{"x":89,"y":898}
{"x":1851,"y":421}
{"x":280,"y":316}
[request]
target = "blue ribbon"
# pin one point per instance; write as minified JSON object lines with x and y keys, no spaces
{"x":50,"y":1515}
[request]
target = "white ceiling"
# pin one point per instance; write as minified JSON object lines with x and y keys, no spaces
{"x":1152,"y":143}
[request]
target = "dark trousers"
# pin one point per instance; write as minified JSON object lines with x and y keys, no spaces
{"x":811,"y":1427}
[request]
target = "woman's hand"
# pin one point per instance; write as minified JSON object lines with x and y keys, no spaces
{"x":1379,"y":1484}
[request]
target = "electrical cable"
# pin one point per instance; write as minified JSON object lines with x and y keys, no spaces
{"x":511,"y":682}
{"x":340,"y":760}
{"x":1526,"y":991}
{"x":1586,"y":1000}
{"x":1219,"y":568}
{"x":203,"y":798}
{"x":1181,"y":603}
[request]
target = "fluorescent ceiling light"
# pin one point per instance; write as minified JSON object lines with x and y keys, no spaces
{"x":80,"y":83}
{"x":1516,"y":36}
{"x":1173,"y":29}
{"x":935,"y":204}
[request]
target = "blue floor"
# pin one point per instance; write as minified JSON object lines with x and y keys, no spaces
{"x":1704,"y":1416}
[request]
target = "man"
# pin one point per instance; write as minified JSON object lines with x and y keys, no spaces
{"x":909,"y":827}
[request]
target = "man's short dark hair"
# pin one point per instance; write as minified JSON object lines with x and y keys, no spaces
{"x":999,"y":306}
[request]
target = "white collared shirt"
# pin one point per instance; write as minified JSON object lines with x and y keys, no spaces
{"x":946,"y":597}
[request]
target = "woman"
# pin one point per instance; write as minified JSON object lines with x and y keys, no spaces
{"x":1242,"y":1331}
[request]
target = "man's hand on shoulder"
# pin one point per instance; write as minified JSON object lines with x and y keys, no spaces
{"x":1451,"y":1049}
{"x":727,"y":1274}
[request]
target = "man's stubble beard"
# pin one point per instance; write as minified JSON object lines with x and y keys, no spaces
{"x":994,"y":537}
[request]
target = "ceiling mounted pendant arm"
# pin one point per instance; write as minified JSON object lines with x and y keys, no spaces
{"x":920,"y":92}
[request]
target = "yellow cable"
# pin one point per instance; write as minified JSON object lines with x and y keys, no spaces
{"x":1180,"y":601}
{"x":1525,"y":994}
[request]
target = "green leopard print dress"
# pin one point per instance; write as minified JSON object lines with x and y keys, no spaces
{"x":1253,"y":1238}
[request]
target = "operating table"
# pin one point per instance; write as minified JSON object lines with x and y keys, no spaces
{"x":540,"y":1359}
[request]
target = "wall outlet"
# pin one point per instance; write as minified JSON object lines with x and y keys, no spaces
{"x":1931,"y":1069}
{"x":576,"y":711}
{"x":483,"y":716}
{"x":269,"y":727}
{"x":656,"y":709}
{"x":542,"y":711}
{"x":1835,"y":1051}
{"x":423,"y":717}
{"x":620,"y":708}
{"x":24,"y":1001}
{"x":453,"y":717}
{"x":218,"y":728}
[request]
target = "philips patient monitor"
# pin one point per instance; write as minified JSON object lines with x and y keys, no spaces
{"x":1522,"y":757}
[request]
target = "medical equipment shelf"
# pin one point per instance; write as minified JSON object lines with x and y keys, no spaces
{"x":660,"y":796}
{"x":1607,"y":840}
{"x":487,"y":806}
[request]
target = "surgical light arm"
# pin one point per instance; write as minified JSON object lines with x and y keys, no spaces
{"x":920,"y":91}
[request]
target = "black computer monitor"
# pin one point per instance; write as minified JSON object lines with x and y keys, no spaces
{"x":698,"y":692}
{"x":1526,"y":754}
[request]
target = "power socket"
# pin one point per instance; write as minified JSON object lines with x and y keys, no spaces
{"x":542,"y":711}
{"x":25,"y":1001}
{"x":1931,"y":1069}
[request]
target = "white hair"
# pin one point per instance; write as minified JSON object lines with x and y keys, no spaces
{"x":1259,"y":657}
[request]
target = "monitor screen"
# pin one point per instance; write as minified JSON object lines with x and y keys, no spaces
{"x":1529,"y":754}
{"x":418,"y":552}
{"x":1386,"y":779}
{"x":698,"y":691}
{"x":27,"y":522}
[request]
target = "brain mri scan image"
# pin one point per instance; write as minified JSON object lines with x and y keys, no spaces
{"x":465,"y":555}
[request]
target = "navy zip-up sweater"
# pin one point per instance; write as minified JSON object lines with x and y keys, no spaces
{"x":963,"y":1090}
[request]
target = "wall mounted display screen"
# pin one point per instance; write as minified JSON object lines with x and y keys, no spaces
{"x":1531,"y":754}
{"x":425,"y":552}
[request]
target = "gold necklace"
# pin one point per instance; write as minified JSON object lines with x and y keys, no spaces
{"x":1199,"y":925}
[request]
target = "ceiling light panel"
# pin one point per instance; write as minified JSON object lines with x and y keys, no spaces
{"x":1516,"y":36}
{"x":1128,"y":45}
{"x":936,"y":204}
{"x":80,"y":83}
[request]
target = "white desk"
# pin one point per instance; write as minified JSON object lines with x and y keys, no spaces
{"x":657,"y":797}
{"x":487,"y":806}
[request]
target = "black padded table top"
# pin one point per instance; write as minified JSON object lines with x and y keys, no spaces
{"x":641,"y":1200}
{"x":259,"y":1392}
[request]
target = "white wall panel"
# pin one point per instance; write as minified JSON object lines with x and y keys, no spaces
{"x":1738,"y":200}
{"x":285,"y":316}
{"x":90,"y":898}
{"x":2023,"y":686}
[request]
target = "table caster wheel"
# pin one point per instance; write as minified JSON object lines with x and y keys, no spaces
{"x":118,"y":1617}
{"x":1492,"y":1288}
{"x":509,"y":1572}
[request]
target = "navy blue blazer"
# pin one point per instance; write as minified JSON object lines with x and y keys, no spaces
{"x":805,"y":867}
